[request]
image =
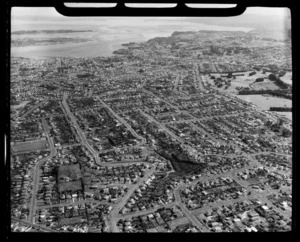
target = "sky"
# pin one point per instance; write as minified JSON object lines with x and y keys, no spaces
{"x":47,"y":17}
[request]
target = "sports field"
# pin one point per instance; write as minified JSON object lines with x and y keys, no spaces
{"x":32,"y":145}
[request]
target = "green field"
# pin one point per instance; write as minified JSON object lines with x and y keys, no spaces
{"x":265,"y":102}
{"x":32,"y":145}
{"x":72,"y":171}
{"x":70,"y":186}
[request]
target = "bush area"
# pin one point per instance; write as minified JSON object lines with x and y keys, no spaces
{"x":279,"y":93}
{"x":281,"y":84}
{"x":281,"y":109}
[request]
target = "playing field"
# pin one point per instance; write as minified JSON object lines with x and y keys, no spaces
{"x":32,"y":145}
{"x":70,"y":186}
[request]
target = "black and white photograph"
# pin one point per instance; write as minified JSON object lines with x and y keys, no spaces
{"x":150,"y":124}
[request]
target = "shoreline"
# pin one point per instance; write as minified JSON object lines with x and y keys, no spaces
{"x":98,"y":43}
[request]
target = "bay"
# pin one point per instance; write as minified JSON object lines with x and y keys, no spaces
{"x":107,"y":36}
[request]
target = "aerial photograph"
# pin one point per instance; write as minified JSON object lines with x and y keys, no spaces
{"x":150,"y":124}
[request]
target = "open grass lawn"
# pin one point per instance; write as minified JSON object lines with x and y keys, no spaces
{"x":255,"y":181}
{"x":265,"y":85}
{"x":68,"y":221}
{"x":70,"y":186}
{"x":72,"y":171}
{"x":265,"y":102}
{"x":33,"y":145}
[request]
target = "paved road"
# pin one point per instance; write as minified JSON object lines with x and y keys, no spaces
{"x":193,"y":118}
{"x":114,"y":213}
{"x":212,"y":177}
{"x":123,"y":122}
{"x":36,"y":173}
{"x":217,"y":205}
{"x":42,"y":228}
{"x":152,"y":94}
{"x":162,"y":126}
{"x":32,"y":109}
{"x":144,"y":212}
{"x":204,"y":132}
{"x":116,"y":148}
{"x":169,"y":132}
{"x":176,"y":82}
{"x":260,"y":196}
{"x":124,"y":163}
{"x":180,"y":93}
{"x":82,"y":135}
{"x":254,"y":194}
{"x":74,"y":203}
{"x":198,"y":80}
{"x":188,"y":214}
{"x":79,"y":131}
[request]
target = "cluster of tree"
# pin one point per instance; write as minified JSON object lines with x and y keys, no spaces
{"x":281,"y":109}
{"x":121,"y":52}
{"x":84,"y":75}
{"x":278,"y":81}
{"x":278,"y":127}
{"x":218,"y":50}
{"x":279,"y":93}
{"x":230,"y":75}
{"x":260,"y":79}
{"x":49,"y":87}
{"x":286,"y":132}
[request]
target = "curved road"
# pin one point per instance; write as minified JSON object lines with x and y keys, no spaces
{"x":36,"y":173}
{"x":113,"y":217}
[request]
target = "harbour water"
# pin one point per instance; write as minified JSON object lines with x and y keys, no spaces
{"x":107,"y":35}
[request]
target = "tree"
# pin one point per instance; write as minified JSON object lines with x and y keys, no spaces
{"x":260,"y":79}
{"x":285,"y":132}
{"x":268,"y":123}
{"x":280,"y":121}
{"x":272,"y":77}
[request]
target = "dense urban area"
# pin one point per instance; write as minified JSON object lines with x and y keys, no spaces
{"x":155,"y":138}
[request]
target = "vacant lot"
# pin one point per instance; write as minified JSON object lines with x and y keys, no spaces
{"x":287,"y":78}
{"x":32,"y":145}
{"x":265,"y":102}
{"x":68,"y":221}
{"x":71,"y":171}
{"x":265,"y":85}
{"x":70,"y":186}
